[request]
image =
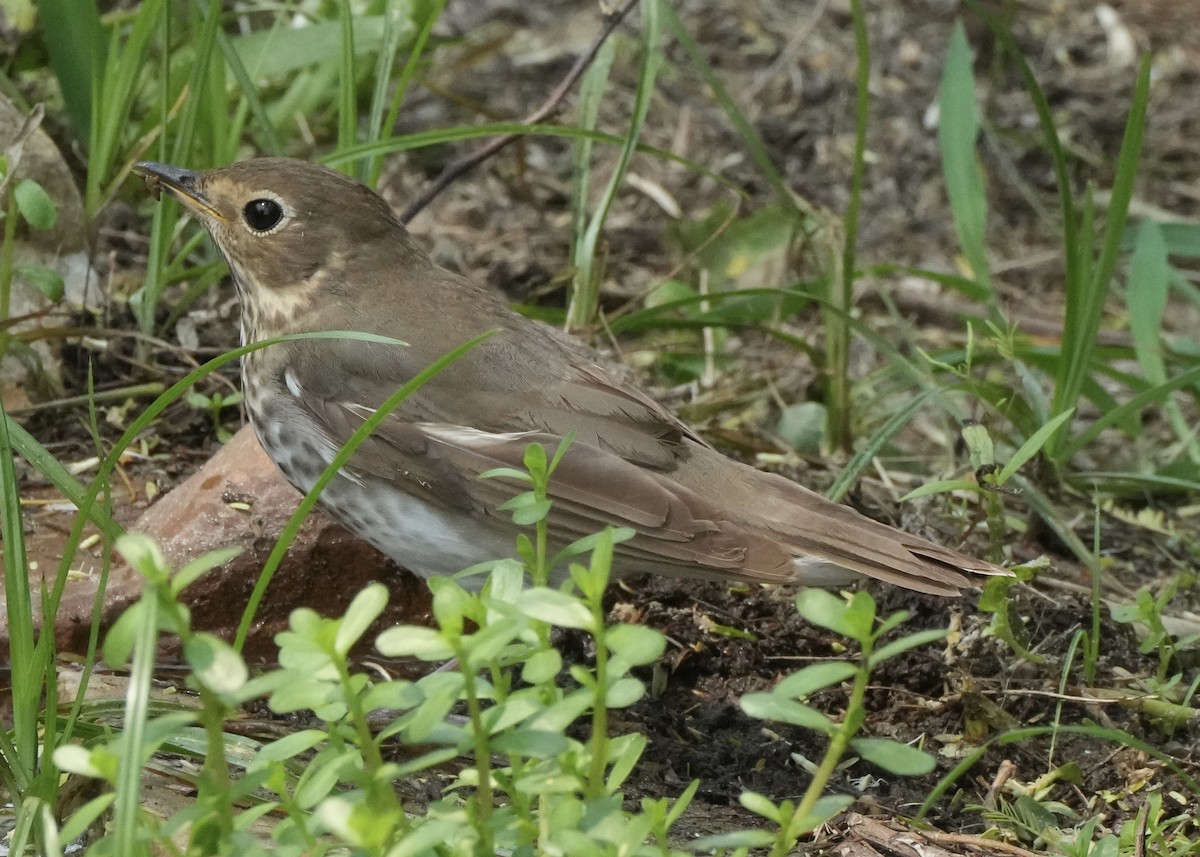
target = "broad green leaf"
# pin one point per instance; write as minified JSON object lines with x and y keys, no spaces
{"x":280,"y":51}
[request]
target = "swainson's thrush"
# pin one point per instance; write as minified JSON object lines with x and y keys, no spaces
{"x":313,"y":250}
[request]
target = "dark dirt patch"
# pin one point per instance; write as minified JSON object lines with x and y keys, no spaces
{"x":950,"y":698}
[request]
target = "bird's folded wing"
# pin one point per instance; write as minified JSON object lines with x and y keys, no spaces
{"x":590,"y":489}
{"x":768,"y":529}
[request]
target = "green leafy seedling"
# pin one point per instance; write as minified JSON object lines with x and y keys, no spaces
{"x":855,"y":619}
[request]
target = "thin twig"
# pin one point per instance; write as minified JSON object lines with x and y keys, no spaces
{"x":551,"y":105}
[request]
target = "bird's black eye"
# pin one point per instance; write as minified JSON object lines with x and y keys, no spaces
{"x":263,"y":215}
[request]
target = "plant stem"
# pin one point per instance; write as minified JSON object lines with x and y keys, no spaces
{"x":599,"y":741}
{"x":839,"y":742}
{"x":483,"y":752}
{"x":6,"y":269}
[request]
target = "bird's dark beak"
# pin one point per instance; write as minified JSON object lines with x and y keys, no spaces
{"x":183,"y":184}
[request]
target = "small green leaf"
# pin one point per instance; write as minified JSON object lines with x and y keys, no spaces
{"x":802,"y":426}
{"x":536,"y":744}
{"x":363,"y":610}
{"x":119,"y":642}
{"x":143,"y":556}
{"x":505,"y":473}
{"x":822,"y":608}
{"x":624,"y":692}
{"x":216,"y":664}
{"x":942,"y":487}
{"x":813,"y":678}
{"x":451,"y":604}
{"x":557,"y":608}
{"x":35,"y":204}
{"x":527,"y":510}
{"x":188,"y":575}
{"x":541,"y":667}
{"x":980,"y":449}
{"x":912,"y":641}
{"x":860,"y":617}
{"x":289,"y":746}
{"x":426,"y":644}
{"x":738,"y":839}
{"x":760,"y":805}
{"x":536,"y":463}
{"x":894,"y":757}
{"x":46,"y":280}
{"x":636,"y":644}
{"x":823,"y":810}
{"x":76,"y":759}
{"x":770,"y":706}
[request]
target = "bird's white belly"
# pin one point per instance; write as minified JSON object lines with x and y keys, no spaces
{"x":420,"y":536}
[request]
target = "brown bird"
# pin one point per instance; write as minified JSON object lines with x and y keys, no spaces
{"x":312,"y":250}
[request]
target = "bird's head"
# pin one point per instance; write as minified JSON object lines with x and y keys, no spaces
{"x":292,"y":232}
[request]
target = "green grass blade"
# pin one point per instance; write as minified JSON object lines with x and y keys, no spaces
{"x":28,"y":448}
{"x":269,"y":141}
{"x":1086,"y":295}
{"x":1128,"y":410}
{"x":879,"y":439}
{"x":583,"y":255}
{"x":114,"y":91}
{"x":1002,"y":32}
{"x":585,"y":296}
{"x":144,"y":302}
{"x":203,"y":40}
{"x":416,"y":52}
{"x":76,"y":43}
{"x":127,"y":807}
{"x":840,"y":280}
{"x":420,"y":140}
{"x":18,"y":756}
{"x":958,"y":131}
{"x":1146,"y":294}
{"x":1117,"y":737}
{"x":384,"y":61}
{"x":1031,"y":447}
{"x":964,"y":285}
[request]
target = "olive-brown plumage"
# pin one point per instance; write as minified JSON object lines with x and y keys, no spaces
{"x":311,"y":250}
